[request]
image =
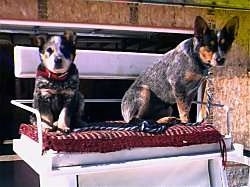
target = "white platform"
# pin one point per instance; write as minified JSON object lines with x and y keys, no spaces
{"x":136,"y":167}
{"x":199,"y":165}
{"x":63,"y":159}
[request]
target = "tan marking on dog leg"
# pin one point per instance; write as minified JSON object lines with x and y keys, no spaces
{"x":183,"y":110}
{"x":145,"y":92}
{"x":63,"y":121}
{"x":144,"y":100}
{"x":47,"y":122}
{"x":166,"y":120}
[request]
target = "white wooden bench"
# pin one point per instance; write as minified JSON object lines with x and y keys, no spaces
{"x":195,"y":165}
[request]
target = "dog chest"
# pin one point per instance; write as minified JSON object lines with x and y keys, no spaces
{"x":57,"y":85}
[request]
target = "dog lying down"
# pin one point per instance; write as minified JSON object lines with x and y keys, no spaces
{"x":178,"y":74}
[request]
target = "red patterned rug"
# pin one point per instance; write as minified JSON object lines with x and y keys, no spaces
{"x":115,"y":140}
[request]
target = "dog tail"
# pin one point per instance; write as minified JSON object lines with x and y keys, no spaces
{"x":128,"y":111}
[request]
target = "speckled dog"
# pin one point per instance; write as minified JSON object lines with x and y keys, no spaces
{"x":56,"y":93}
{"x":178,"y":74}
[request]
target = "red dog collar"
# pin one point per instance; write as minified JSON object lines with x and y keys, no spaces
{"x":44,"y":72}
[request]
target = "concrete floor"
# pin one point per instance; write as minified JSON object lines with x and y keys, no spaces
{"x":13,"y":171}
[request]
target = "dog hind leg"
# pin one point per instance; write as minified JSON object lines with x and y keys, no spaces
{"x":144,"y":100}
{"x":42,"y":104}
{"x":78,"y":115}
{"x":135,"y":103}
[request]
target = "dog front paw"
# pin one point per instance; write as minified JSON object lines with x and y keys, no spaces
{"x":184,"y":119}
{"x":61,"y":127}
{"x":168,"y":120}
{"x":47,"y":128}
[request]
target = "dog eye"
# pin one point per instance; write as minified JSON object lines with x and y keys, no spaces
{"x":222,"y":41}
{"x":212,"y":43}
{"x":49,"y":50}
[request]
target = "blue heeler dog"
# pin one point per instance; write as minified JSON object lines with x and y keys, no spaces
{"x":178,"y":74}
{"x":56,"y":93}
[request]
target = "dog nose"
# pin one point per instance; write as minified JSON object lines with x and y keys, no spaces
{"x":220,"y":61}
{"x":58,"y":60}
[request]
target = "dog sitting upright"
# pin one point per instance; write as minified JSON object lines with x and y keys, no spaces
{"x":56,"y":93}
{"x":178,"y":74}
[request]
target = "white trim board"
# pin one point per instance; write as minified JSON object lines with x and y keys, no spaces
{"x":90,"y":63}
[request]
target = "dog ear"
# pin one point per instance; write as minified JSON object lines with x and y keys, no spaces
{"x":200,"y":27}
{"x":70,"y":36}
{"x":231,"y":28}
{"x":39,"y":41}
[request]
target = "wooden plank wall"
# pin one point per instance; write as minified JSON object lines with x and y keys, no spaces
{"x":232,"y":83}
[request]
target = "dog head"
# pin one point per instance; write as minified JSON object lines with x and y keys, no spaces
{"x":213,"y":45}
{"x":56,"y":52}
